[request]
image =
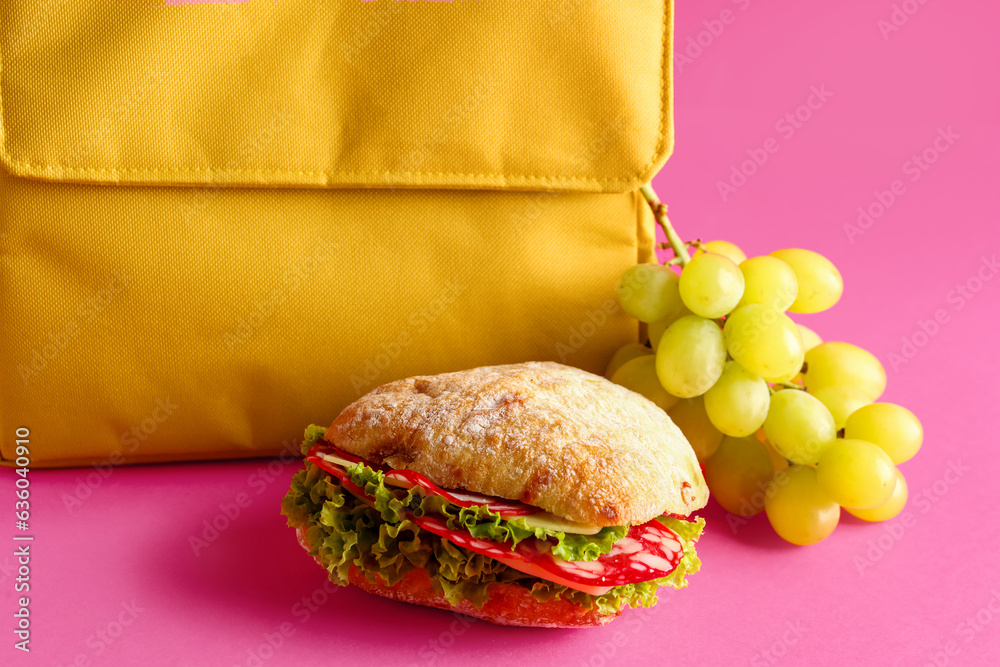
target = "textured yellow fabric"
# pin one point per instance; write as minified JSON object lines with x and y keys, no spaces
{"x":147,"y":316}
{"x":175,"y":323}
{"x":490,"y":94}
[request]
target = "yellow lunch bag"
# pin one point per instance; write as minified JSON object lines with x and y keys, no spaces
{"x":222,"y":222}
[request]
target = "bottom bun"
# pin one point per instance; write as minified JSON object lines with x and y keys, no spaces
{"x":509,"y":604}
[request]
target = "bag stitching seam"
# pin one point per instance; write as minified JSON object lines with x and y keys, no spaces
{"x":36,"y":168}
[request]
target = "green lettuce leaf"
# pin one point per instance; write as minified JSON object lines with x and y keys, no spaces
{"x":381,"y":542}
{"x":313,"y":435}
{"x":480,"y":521}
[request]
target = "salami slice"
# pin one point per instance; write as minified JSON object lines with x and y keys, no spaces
{"x":505,"y":508}
{"x":524,"y":560}
{"x":648,"y":551}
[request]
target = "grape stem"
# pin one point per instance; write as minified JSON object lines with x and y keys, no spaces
{"x":696,"y":244}
{"x":660,"y":214}
{"x":790,"y":385}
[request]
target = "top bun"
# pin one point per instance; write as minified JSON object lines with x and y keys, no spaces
{"x":567,"y":441}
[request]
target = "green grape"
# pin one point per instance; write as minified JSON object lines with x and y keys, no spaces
{"x":891,"y":508}
{"x":737,"y":403}
{"x":799,"y":426}
{"x":892,"y":427}
{"x":625,"y":354}
{"x":836,"y":363}
{"x":856,"y":474}
{"x":690,"y":356}
{"x":764,"y":342}
{"x":777,"y":460}
{"x":724,"y":248}
{"x":639,"y":375}
{"x":656,"y":329}
{"x":711,"y":285}
{"x":841,"y":402}
{"x":649,"y":292}
{"x":810,"y":338}
{"x":769,"y":281}
{"x":738,"y":474}
{"x":790,"y":376}
{"x":690,"y":417}
{"x":820,"y":283}
{"x":799,"y":510}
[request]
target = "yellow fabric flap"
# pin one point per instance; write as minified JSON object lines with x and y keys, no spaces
{"x":486,"y":94}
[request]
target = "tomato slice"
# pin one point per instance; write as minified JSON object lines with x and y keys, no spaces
{"x":521,"y":559}
{"x":505,"y":508}
{"x":342,"y":477}
{"x":648,"y":551}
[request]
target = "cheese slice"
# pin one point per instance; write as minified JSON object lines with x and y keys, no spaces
{"x":333,"y":458}
{"x":544,"y":520}
{"x":550,"y":521}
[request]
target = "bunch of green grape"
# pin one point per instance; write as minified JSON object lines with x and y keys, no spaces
{"x":782,"y":422}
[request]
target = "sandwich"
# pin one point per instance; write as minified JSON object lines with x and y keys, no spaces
{"x":531,"y":494}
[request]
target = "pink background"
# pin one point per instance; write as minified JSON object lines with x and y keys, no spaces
{"x":871,"y":594}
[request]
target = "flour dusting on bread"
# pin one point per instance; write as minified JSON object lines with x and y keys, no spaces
{"x":562,"y":439}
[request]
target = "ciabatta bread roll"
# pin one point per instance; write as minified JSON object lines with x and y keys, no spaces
{"x":531,"y":494}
